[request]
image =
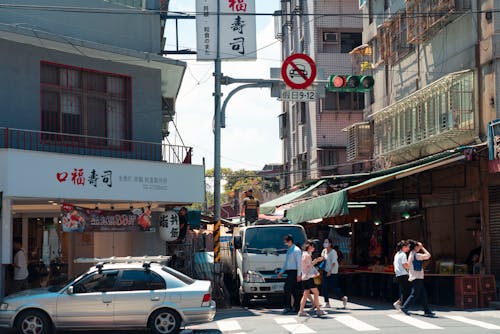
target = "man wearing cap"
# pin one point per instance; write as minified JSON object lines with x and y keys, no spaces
{"x":250,"y":207}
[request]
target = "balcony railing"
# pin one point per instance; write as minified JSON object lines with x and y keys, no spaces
{"x":44,"y":141}
{"x":438,"y":117}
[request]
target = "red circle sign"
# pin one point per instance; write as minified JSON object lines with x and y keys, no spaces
{"x":298,"y":71}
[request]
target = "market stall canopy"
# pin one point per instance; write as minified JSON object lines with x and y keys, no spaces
{"x":270,"y":207}
{"x":331,"y":205}
{"x":335,"y":204}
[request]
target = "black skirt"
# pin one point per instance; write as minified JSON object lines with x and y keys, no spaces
{"x":308,"y":284}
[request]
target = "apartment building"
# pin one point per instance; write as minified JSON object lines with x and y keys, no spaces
{"x":314,"y":144}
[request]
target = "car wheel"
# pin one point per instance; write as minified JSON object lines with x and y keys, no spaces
{"x":33,"y":322}
{"x":165,"y":321}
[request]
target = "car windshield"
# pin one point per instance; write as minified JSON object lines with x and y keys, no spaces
{"x":270,"y":239}
{"x":59,"y":286}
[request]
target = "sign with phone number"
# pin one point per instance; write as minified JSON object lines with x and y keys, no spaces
{"x":298,"y":95}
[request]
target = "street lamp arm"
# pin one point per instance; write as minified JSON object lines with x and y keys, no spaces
{"x":259,"y":84}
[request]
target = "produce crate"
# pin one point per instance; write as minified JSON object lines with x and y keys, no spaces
{"x":487,"y":283}
{"x":485,"y":298}
{"x":466,"y":301}
{"x":466,"y":285}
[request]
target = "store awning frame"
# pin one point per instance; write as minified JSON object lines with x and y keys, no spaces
{"x":403,"y":173}
{"x":336,"y":204}
{"x":269,"y":208}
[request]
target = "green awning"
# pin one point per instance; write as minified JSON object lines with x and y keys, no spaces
{"x":331,"y":205}
{"x":269,"y":207}
{"x":335,"y":204}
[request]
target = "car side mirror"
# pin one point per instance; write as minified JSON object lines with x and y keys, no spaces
{"x":237,"y":242}
{"x":71,"y":290}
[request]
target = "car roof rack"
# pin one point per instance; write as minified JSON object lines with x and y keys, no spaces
{"x":100,"y":261}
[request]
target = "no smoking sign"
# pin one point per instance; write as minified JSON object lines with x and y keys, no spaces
{"x":298,"y":71}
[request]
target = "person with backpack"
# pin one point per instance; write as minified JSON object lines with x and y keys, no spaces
{"x":418,"y":254}
{"x":250,"y":208}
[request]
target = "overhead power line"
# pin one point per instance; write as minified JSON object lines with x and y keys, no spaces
{"x":177,"y":13}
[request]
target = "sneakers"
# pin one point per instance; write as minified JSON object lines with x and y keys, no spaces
{"x":344,"y":301}
{"x":405,"y":311}
{"x":397,"y":305}
{"x":303,"y":314}
{"x":320,"y":313}
{"x":326,"y":305}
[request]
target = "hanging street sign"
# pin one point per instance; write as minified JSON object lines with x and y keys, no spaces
{"x":300,"y":95}
{"x":298,"y":71}
{"x":238,"y":32}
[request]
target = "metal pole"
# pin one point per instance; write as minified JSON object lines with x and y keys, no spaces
{"x":217,"y":167}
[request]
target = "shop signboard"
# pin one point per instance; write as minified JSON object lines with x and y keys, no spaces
{"x":79,"y":219}
{"x":169,"y":226}
{"x":53,"y":176}
{"x":237,"y":30}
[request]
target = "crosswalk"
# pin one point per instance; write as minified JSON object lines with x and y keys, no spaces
{"x":347,"y":322}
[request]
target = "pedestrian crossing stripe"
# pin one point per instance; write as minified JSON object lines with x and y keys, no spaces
{"x":298,"y":329}
{"x":472,"y":322}
{"x":228,"y":325}
{"x":354,"y":323}
{"x":293,"y":325}
{"x":414,"y":322}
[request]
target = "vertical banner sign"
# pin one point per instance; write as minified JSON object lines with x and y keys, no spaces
{"x":237,"y":30}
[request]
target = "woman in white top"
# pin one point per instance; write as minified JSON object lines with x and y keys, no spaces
{"x":330,"y":274}
{"x":308,"y":274}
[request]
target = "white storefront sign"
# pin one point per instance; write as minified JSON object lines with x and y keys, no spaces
{"x":237,"y":29}
{"x":53,"y":176}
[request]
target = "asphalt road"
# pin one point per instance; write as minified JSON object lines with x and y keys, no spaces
{"x":360,"y":316}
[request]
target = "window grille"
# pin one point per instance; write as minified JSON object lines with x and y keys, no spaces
{"x":93,"y":105}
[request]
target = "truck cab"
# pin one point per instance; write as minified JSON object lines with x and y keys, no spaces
{"x":258,"y":253}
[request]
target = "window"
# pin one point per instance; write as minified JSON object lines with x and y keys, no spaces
{"x":133,"y":280}
{"x":341,"y":101}
{"x":349,"y":40}
{"x":186,"y":280}
{"x":283,"y":125}
{"x":370,"y":11}
{"x":97,"y":282}
{"x":83,"y":104}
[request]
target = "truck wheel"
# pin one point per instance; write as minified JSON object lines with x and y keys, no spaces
{"x":243,"y":298}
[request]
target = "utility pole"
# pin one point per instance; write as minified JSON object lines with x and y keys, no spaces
{"x":217,"y":167}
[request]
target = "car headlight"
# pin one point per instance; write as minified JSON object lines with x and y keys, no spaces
{"x":4,"y":306}
{"x":254,"y":277}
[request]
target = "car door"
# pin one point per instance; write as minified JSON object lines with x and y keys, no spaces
{"x":91,"y":303}
{"x":139,"y":291}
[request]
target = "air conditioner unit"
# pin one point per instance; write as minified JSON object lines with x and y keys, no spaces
{"x":331,"y":37}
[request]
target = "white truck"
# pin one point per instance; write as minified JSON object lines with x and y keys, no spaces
{"x":255,"y":256}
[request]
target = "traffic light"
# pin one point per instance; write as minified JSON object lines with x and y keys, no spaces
{"x":350,"y":83}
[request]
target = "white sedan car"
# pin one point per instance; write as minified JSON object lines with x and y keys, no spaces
{"x":113,"y":296}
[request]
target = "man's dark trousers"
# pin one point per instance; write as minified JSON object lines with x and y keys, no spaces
{"x":292,"y":288}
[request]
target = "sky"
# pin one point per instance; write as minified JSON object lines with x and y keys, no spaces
{"x":251,"y":137}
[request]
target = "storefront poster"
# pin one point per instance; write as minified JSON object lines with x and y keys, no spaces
{"x":79,"y":219}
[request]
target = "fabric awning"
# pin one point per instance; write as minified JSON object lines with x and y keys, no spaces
{"x":403,"y":173}
{"x":335,"y":204}
{"x":331,"y":205}
{"x":269,"y":207}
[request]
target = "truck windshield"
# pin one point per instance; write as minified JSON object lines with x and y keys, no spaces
{"x":270,"y":239}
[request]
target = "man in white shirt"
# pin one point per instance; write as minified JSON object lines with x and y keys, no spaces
{"x":418,"y":254}
{"x":293,"y":269}
{"x":401,"y":271}
{"x":20,"y":282}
